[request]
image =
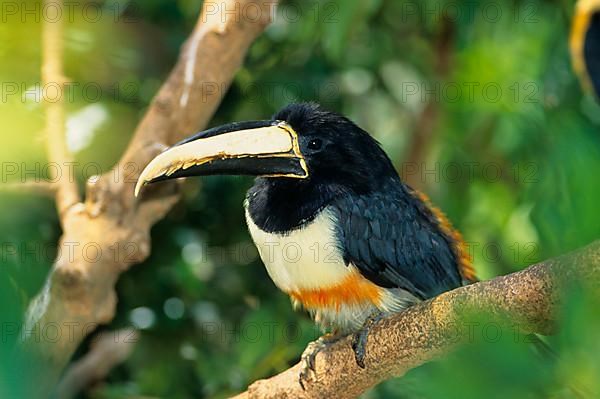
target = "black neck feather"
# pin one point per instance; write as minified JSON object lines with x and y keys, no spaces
{"x":282,"y":205}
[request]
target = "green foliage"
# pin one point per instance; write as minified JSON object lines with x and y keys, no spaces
{"x":515,"y":166}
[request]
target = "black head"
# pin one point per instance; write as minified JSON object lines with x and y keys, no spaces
{"x":337,"y":151}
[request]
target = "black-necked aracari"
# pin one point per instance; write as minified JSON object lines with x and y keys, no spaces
{"x":363,"y":244}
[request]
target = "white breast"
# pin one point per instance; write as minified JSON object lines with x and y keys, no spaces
{"x":305,"y":258}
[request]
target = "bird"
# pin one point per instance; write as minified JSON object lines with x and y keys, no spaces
{"x":335,"y":226}
{"x":584,"y":44}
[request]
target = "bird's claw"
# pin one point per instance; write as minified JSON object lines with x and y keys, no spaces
{"x":360,"y":338}
{"x":359,"y":346}
{"x":307,"y":372}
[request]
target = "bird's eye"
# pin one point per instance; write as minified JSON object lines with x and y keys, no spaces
{"x":315,"y":144}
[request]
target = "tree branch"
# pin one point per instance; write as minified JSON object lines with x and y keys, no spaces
{"x":79,"y":291}
{"x":527,"y":300}
{"x":108,"y":350}
{"x":67,"y":193}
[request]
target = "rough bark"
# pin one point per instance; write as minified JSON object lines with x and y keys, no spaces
{"x":526,"y":301}
{"x":110,"y":231}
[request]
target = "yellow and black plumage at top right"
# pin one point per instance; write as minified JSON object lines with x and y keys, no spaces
{"x":585,"y":44}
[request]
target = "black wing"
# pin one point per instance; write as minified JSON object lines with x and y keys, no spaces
{"x":394,"y":241}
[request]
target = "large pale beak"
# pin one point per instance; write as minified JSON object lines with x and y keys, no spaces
{"x":258,"y":148}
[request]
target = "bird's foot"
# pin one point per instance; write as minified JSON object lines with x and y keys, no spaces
{"x":359,"y":339}
{"x":307,"y":359}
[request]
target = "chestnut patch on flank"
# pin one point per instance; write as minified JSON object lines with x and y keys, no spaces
{"x":354,"y":289}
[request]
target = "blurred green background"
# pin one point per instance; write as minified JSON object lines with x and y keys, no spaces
{"x":475,"y":102}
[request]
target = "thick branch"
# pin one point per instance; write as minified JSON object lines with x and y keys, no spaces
{"x":527,"y":300}
{"x":79,"y":292}
{"x":52,"y":75}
